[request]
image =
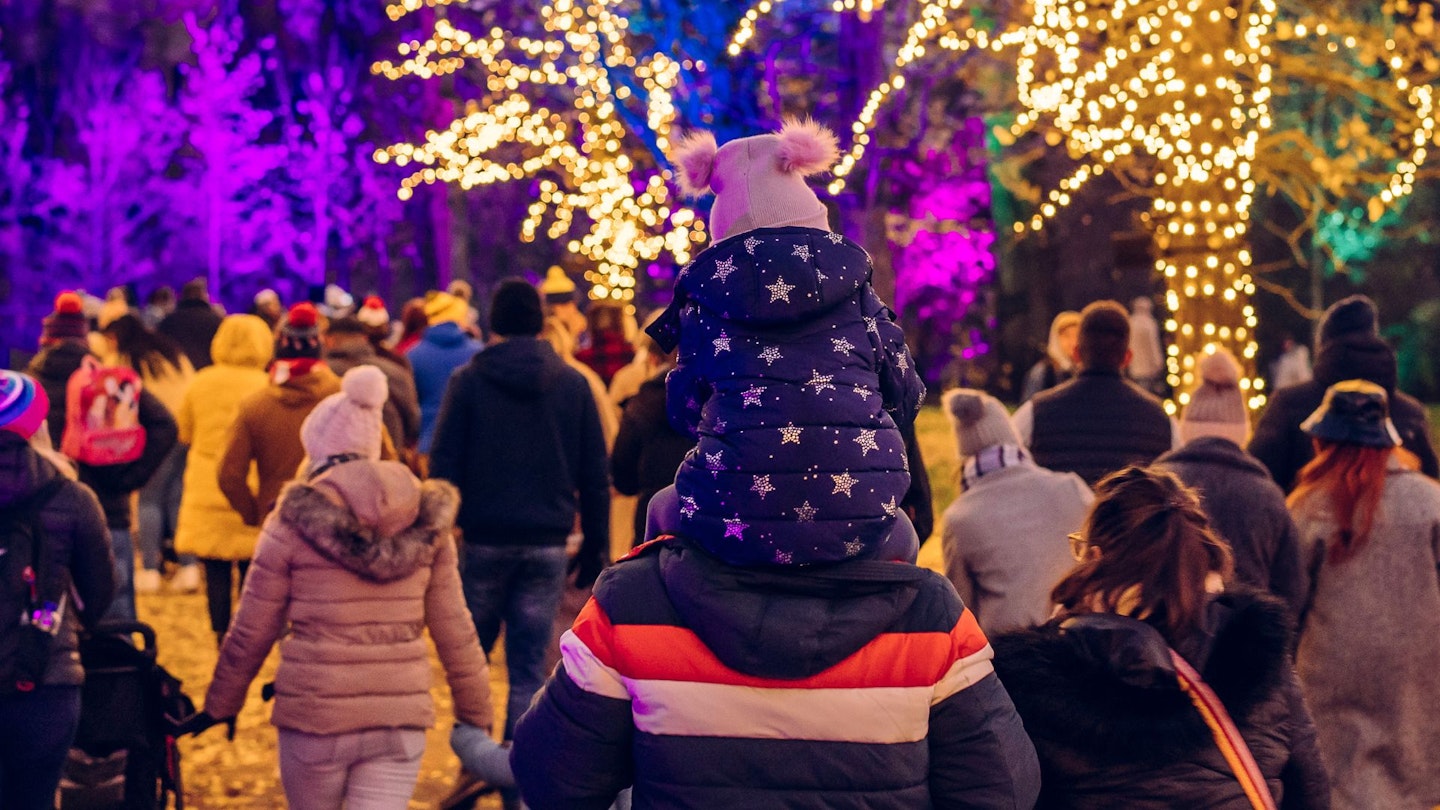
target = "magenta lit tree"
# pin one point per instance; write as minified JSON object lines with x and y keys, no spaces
{"x":243,"y":216}
{"x":108,"y":209}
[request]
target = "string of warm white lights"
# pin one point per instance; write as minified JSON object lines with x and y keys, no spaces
{"x":1173,"y":95}
{"x":581,"y":156}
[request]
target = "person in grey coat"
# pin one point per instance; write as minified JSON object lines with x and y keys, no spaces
{"x":1245,"y":506}
{"x":1369,"y":651}
{"x":1004,"y":536}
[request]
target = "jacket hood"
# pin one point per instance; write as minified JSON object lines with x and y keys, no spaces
{"x":777,"y":275}
{"x":243,"y":340}
{"x":1356,"y":356}
{"x":372,"y":518}
{"x":1217,"y":451}
{"x":447,"y":335}
{"x":22,"y":470}
{"x":522,"y":366}
{"x":60,"y":360}
{"x":769,"y":624}
{"x":309,"y":388}
{"x":1105,"y":684}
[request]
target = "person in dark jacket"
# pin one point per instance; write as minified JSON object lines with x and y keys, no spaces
{"x":648,"y":450}
{"x":194,"y":322}
{"x":520,"y":436}
{"x":1245,"y":507}
{"x":1098,"y":422}
{"x":40,"y":690}
{"x":608,"y":350}
{"x":61,"y":356}
{"x":347,"y":345}
{"x":63,"y":346}
{"x":791,"y":370}
{"x":705,"y":685}
{"x":1349,"y":348}
{"x":1098,"y":688}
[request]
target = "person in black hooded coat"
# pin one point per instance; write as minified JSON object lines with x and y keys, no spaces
{"x":1097,"y":688}
{"x":1350,"y":348}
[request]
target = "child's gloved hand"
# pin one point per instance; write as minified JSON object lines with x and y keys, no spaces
{"x":481,"y":756}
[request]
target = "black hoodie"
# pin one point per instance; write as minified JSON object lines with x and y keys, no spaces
{"x":1283,"y":448}
{"x":519,"y":435}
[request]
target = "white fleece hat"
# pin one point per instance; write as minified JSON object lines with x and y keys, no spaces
{"x":980,"y":421}
{"x":759,"y":182}
{"x":1217,"y":405}
{"x":350,"y":421}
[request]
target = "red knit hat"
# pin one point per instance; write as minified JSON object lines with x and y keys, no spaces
{"x":67,"y":321}
{"x":299,"y":338}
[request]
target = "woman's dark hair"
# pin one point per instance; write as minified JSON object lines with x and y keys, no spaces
{"x":605,"y":317}
{"x":143,"y":350}
{"x":412,"y":318}
{"x":1156,"y":551}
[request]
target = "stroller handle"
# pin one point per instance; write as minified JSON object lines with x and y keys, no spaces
{"x":127,"y":629}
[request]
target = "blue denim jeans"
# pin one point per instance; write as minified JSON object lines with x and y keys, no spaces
{"x":160,"y":508}
{"x":519,"y":587}
{"x":39,"y":729}
{"x":123,"y":608}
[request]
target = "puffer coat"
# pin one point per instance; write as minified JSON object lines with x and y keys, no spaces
{"x":74,"y":538}
{"x":1101,"y":701}
{"x":794,"y":376}
{"x":357,"y":563}
{"x":209,"y":526}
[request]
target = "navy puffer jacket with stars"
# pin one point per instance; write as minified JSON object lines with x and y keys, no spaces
{"x":793,"y":376}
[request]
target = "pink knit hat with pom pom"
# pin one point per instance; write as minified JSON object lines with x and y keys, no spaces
{"x":348,"y":423}
{"x":1217,"y":405}
{"x":759,"y":182}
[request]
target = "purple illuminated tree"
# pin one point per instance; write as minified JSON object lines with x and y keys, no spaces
{"x":108,"y":209}
{"x":235,"y":175}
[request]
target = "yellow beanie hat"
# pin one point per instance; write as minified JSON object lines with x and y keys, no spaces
{"x":444,"y":308}
{"x":557,"y":287}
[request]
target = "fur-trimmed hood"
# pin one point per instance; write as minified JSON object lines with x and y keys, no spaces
{"x":372,"y":518}
{"x":1107,"y":688}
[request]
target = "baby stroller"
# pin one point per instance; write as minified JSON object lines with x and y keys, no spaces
{"x":125,"y":754}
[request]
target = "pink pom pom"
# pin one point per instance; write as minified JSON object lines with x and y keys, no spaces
{"x":807,"y":148}
{"x":694,"y":159}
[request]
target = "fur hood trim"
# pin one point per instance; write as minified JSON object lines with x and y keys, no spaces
{"x":333,"y":530}
{"x":1070,"y":697}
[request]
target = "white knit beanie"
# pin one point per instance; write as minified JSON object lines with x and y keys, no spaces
{"x":1217,"y":406}
{"x":759,"y":182}
{"x":980,"y":421}
{"x":348,"y":422}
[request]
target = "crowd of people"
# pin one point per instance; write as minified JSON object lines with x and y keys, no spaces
{"x":1135,"y":610}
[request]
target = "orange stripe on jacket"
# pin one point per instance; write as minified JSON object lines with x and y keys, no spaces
{"x":669,"y":653}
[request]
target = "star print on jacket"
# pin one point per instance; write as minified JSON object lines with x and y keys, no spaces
{"x":775,"y":329}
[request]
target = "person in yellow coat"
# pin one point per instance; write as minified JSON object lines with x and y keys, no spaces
{"x":209,"y":528}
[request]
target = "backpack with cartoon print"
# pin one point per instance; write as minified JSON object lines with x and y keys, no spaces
{"x":102,"y":415}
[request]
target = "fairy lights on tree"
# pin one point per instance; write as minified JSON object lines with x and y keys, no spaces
{"x":557,"y":111}
{"x":1175,"y":99}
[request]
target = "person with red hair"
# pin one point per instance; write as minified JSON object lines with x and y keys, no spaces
{"x":1369,"y":651}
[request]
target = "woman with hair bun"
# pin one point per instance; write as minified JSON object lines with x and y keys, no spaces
{"x":1126,"y":691}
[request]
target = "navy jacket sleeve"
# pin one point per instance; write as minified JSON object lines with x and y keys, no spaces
{"x":980,"y":755}
{"x":572,"y":748}
{"x":900,"y":387}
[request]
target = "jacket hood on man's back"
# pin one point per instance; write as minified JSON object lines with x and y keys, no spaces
{"x":522,"y":366}
{"x":777,"y":275}
{"x":243,"y":340}
{"x":791,"y":623}
{"x":22,"y":471}
{"x":59,"y":361}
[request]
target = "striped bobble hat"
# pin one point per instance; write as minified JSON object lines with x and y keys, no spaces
{"x":23,"y":404}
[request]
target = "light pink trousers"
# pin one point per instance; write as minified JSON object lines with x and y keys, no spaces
{"x":363,"y":770}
